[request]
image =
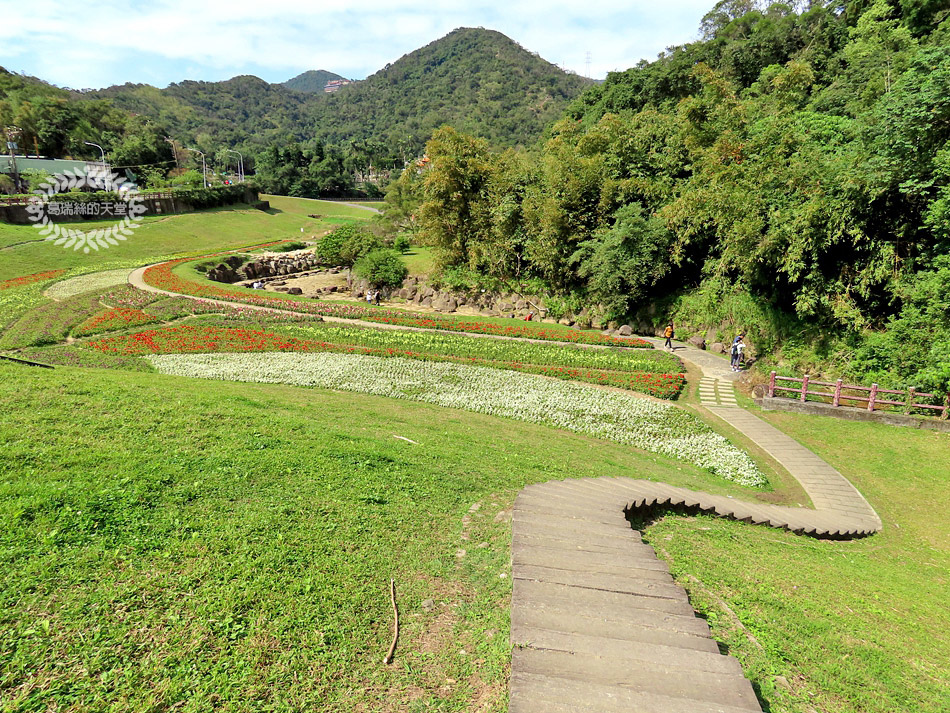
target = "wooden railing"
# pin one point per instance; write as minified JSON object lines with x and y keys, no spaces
{"x":843,"y":392}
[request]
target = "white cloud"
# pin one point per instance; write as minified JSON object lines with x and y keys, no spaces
{"x":85,"y":44}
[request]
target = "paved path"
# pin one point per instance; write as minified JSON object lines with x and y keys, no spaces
{"x":597,"y":622}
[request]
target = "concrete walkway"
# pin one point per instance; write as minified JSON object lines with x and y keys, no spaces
{"x":597,"y":622}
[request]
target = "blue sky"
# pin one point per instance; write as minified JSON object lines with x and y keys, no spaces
{"x":79,"y":44}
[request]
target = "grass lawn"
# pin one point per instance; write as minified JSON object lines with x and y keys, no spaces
{"x":232,"y":546}
{"x":207,"y":230}
{"x":419,"y":260}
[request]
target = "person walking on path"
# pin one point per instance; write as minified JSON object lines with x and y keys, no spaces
{"x":738,"y":346}
{"x":669,"y":333}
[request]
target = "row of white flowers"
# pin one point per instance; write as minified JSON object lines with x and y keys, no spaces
{"x":87,"y":283}
{"x":624,"y":418}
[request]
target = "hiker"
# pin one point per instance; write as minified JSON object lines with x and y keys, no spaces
{"x":669,"y":333}
{"x":376,"y":298}
{"x":736,"y":352}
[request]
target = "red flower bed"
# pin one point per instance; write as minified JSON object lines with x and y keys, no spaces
{"x":162,"y":277}
{"x":188,"y":339}
{"x":118,"y":318}
{"x":30,"y":279}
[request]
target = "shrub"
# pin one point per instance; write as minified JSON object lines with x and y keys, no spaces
{"x":346,"y":245}
{"x":382,"y":268}
{"x":402,"y":244}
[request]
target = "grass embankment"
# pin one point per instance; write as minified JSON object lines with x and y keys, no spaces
{"x":213,"y":229}
{"x":232,"y":546}
{"x":835,"y":626}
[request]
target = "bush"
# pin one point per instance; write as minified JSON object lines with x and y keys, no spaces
{"x":382,"y":268}
{"x":402,"y":244}
{"x":346,"y":245}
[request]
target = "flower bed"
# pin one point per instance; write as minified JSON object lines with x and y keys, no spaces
{"x":88,"y":283}
{"x":199,"y":339}
{"x":109,"y":320}
{"x":29,"y":279}
{"x":163,"y":277}
{"x":643,"y":423}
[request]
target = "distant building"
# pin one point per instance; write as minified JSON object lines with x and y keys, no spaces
{"x":334,"y":85}
{"x":47,"y":165}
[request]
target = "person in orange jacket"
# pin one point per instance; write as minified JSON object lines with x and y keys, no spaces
{"x":668,"y":333}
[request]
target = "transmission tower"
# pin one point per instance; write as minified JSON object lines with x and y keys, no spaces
{"x":587,"y":64}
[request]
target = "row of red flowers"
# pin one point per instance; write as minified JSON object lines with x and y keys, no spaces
{"x":189,"y":339}
{"x":29,"y":279}
{"x":111,"y":319}
{"x":163,"y":277}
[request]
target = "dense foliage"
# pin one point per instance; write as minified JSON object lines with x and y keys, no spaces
{"x":797,"y":158}
{"x":313,"y":80}
{"x":54,"y":125}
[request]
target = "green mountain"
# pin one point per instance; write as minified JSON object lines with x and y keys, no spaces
{"x":244,"y":110}
{"x":313,"y":80}
{"x":478,"y":80}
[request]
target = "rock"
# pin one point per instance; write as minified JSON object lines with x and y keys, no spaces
{"x":278,"y":283}
{"x":608,"y":332}
{"x":697,"y":341}
{"x":403,"y":293}
{"x":760,"y":390}
{"x":718,"y":348}
{"x":625,"y":330}
{"x":428,"y":604}
{"x":521,"y":304}
{"x":294,"y":291}
{"x":567,"y":321}
{"x":426,"y":302}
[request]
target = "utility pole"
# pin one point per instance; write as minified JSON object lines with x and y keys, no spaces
{"x":12,"y":134}
{"x":240,"y":164}
{"x":204,"y":170}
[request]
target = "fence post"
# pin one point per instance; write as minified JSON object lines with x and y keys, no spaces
{"x":911,"y":395}
{"x":804,"y":387}
{"x":772,"y":385}
{"x":836,"y":401}
{"x":946,"y":407}
{"x":873,"y":397}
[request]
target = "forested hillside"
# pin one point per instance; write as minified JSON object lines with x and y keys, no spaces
{"x":313,"y":80}
{"x":54,"y":124}
{"x":476,"y":80}
{"x":788,"y":174}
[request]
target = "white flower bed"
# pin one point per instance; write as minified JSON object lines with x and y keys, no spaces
{"x":88,"y":283}
{"x":624,"y":418}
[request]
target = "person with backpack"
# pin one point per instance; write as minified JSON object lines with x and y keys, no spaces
{"x":669,"y":334}
{"x":738,"y":346}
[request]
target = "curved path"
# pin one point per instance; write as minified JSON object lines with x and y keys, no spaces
{"x":597,"y":622}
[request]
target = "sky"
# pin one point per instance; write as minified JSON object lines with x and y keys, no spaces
{"x":92,"y":45}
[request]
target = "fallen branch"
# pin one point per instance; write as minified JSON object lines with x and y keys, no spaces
{"x":407,"y":440}
{"x":392,"y":648}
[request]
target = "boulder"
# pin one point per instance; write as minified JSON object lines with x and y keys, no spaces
{"x":567,"y":321}
{"x":697,"y":341}
{"x":294,"y":291}
{"x":625,"y":330}
{"x":718,"y":348}
{"x":426,"y":302}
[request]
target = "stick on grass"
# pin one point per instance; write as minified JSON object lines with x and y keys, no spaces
{"x":392,"y":648}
